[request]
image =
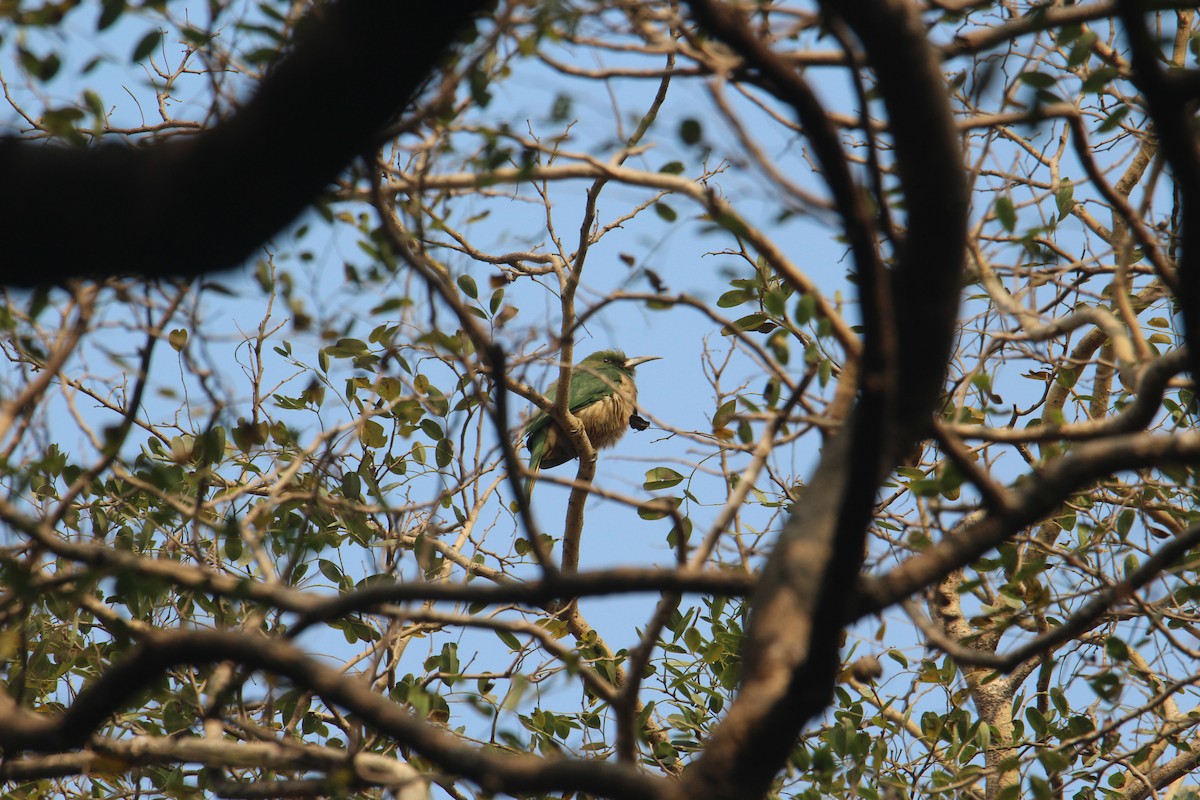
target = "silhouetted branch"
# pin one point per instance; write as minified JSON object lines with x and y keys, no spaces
{"x":1038,"y":496}
{"x":792,"y":643}
{"x":208,"y":202}
{"x":1169,"y":104}
{"x":119,"y":687}
{"x":369,"y":768}
{"x":1077,"y":624}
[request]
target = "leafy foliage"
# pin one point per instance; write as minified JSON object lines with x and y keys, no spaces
{"x":320,"y":454}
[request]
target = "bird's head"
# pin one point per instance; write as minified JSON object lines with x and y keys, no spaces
{"x":604,"y":360}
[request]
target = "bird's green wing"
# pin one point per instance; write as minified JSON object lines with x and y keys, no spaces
{"x":591,"y":385}
{"x":588,"y":385}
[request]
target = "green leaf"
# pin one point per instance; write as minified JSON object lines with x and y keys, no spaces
{"x":1125,"y":522}
{"x":443,"y":453}
{"x":1054,"y":761}
{"x":734,"y":297}
{"x":372,"y":434}
{"x":732,"y":223}
{"x":509,"y":639}
{"x":1064,"y":198}
{"x":724,"y":414}
{"x":110,"y":12}
{"x":1060,"y":701}
{"x":210,"y":446}
{"x":467,"y":284}
{"x":432,"y":429}
{"x":757,"y":323}
{"x":925,"y":487}
{"x":388,"y":388}
{"x":43,"y":69}
{"x":805,"y":308}
{"x":659,"y":507}
{"x":1082,"y":50}
{"x":146,"y":45}
{"x":196,"y":37}
{"x":1037,"y":722}
{"x":233,"y":544}
{"x":352,"y":486}
{"x":661,"y":478}
{"x":690,"y":132}
{"x":773,"y":302}
{"x":392,"y":304}
{"x":247,"y":435}
{"x":1005,"y":213}
{"x":824,"y":372}
{"x":438,"y":404}
{"x":448,"y":662}
{"x":346,"y":348}
{"x":1038,"y":80}
{"x":665,"y":212}
{"x":178,"y":339}
{"x":94,"y":103}
{"x":330,"y":570}
{"x":671,"y":168}
{"x":1113,"y":120}
{"x":61,"y":121}
{"x":1098,"y":80}
{"x":679,"y":533}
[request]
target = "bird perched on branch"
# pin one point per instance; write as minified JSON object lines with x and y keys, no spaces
{"x":603,"y":397}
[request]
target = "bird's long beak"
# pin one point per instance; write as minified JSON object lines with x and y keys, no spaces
{"x":630,"y":363}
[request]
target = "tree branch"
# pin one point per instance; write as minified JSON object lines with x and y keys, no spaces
{"x":207,"y":202}
{"x":791,"y":648}
{"x":1038,"y":496}
{"x":117,"y":688}
{"x":1171,"y":110}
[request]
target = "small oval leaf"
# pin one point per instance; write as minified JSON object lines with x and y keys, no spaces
{"x":661,"y":478}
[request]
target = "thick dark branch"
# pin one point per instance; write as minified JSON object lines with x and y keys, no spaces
{"x":1152,"y":382}
{"x":1170,"y":109}
{"x":619,"y":580}
{"x":1081,"y":621}
{"x":791,"y":647}
{"x":792,"y":643}
{"x":1039,"y":495}
{"x":725,"y":22}
{"x":140,"y":751}
{"x":1047,"y":17}
{"x":928,"y":158}
{"x":1165,"y":774}
{"x":207,"y":202}
{"x":119,"y":687}
{"x":315,"y":608}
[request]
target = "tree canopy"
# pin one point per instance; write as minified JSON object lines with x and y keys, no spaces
{"x":913,"y":510}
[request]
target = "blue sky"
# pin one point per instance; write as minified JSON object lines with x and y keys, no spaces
{"x":683,"y":253}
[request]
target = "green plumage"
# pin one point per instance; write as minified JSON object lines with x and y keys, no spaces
{"x":603,"y":397}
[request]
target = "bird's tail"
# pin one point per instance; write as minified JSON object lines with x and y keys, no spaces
{"x":537,"y":448}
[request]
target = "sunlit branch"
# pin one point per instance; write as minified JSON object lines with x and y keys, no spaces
{"x":1034,"y":499}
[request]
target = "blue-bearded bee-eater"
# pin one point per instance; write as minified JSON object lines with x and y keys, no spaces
{"x":603,"y":397}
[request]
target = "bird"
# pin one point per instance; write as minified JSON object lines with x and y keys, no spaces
{"x":603,"y":397}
